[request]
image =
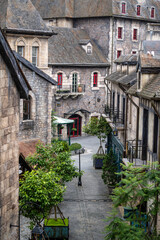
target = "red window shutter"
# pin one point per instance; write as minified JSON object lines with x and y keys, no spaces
{"x":123,"y":7}
{"x":120,"y":32}
{"x":134,"y":34}
{"x":95,"y":79}
{"x":138,"y":10}
{"x":119,"y":53}
{"x":60,"y":79}
{"x":152,"y":12}
{"x":134,"y":52}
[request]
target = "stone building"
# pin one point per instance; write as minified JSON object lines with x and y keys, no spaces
{"x":79,"y":67}
{"x":13,"y":86}
{"x":117,"y":27}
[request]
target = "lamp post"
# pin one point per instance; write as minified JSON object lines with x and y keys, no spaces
{"x":82,"y":150}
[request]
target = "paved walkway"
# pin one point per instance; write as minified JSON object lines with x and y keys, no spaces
{"x":87,"y":205}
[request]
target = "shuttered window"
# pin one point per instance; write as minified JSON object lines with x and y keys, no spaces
{"x":60,"y":80}
{"x":119,"y":32}
{"x":123,"y":8}
{"x":95,"y":79}
{"x":152,"y":12}
{"x":135,"y":34}
{"x":138,"y":10}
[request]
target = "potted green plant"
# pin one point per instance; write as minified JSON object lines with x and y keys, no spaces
{"x":100,"y":128}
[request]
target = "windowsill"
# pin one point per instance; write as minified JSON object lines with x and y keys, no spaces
{"x":27,"y":124}
{"x":95,"y":88}
{"x":120,"y":39}
{"x":134,"y":40}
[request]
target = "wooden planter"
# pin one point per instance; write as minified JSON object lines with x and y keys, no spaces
{"x":98,"y":163}
{"x":56,"y":229}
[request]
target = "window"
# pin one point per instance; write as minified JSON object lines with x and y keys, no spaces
{"x":89,"y":50}
{"x":134,"y":52}
{"x":26,"y":108}
{"x":155,"y":134}
{"x":119,"y":52}
{"x":123,"y":8}
{"x":135,"y":31}
{"x":20,"y":50}
{"x":74,"y":82}
{"x":152,"y":12}
{"x":138,"y":10}
{"x":95,"y":79}
{"x":59,"y":80}
{"x":35,"y":52}
{"x":119,"y":32}
{"x":139,"y":80}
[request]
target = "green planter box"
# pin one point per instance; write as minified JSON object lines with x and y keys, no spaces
{"x":56,"y":229}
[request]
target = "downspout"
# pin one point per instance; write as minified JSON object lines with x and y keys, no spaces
{"x":112,"y":48}
{"x":158,"y":114}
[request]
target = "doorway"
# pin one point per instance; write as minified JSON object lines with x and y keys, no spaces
{"x":76,"y":126}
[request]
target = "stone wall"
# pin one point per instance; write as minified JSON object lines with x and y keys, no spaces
{"x":9,"y":159}
{"x":39,"y":124}
{"x":92,"y":100}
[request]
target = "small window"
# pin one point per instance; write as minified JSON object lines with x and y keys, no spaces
{"x":135,"y":31}
{"x":139,"y":80}
{"x":59,"y":80}
{"x":89,"y":50}
{"x":95,"y":79}
{"x":119,"y":32}
{"x":138,"y":10}
{"x":119,"y":52}
{"x":123,"y":8}
{"x":134,"y":52}
{"x":26,"y":108}
{"x":20,"y":50}
{"x":152,"y":12}
{"x":35,"y":52}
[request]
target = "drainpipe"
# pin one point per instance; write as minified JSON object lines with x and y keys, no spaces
{"x":158,"y":114}
{"x":110,"y":90}
{"x":112,"y":48}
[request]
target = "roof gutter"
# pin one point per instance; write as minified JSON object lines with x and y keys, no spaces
{"x":79,"y":64}
{"x":30,"y":32}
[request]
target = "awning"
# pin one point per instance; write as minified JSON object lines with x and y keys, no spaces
{"x":60,"y":120}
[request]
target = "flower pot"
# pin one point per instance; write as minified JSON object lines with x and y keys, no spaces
{"x":79,"y":89}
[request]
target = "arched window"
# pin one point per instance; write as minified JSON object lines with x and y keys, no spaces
{"x":21,"y":48}
{"x":74,"y":82}
{"x":95,"y":79}
{"x":27,"y":109}
{"x":35,"y":54}
{"x":59,"y":79}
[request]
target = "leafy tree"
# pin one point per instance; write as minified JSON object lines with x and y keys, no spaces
{"x":110,"y":169}
{"x":55,"y":157}
{"x":100,"y":128}
{"x":43,"y":191}
{"x":138,"y":186}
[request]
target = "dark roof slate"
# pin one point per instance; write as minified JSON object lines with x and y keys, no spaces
{"x":95,"y":8}
{"x":35,"y":69}
{"x":14,"y":68}
{"x":151,"y":89}
{"x":130,"y":59}
{"x":115,"y":76}
{"x":64,"y":48}
{"x":20,"y":14}
{"x":122,"y":78}
{"x":148,"y":62}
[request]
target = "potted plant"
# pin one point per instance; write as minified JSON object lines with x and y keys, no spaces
{"x":100,"y":128}
{"x":79,"y":88}
{"x":110,"y":169}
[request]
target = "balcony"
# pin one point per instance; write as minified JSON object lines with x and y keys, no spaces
{"x":136,"y":153}
{"x":115,"y":116}
{"x":66,"y":91}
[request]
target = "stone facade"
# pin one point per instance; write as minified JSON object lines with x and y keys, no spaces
{"x":93,"y":98}
{"x":9,"y":165}
{"x":39,"y":123}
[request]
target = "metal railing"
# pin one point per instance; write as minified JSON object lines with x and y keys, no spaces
{"x":115,"y":115}
{"x":136,"y":153}
{"x":64,"y":89}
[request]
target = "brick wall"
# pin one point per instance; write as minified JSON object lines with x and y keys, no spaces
{"x":9,"y":161}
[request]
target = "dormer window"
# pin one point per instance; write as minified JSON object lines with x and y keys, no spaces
{"x":89,"y":49}
{"x":138,"y":10}
{"x":152,"y":12}
{"x":123,"y":7}
{"x":20,"y":50}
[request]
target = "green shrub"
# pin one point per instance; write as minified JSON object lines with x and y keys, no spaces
{"x":75,"y":146}
{"x":98,"y":156}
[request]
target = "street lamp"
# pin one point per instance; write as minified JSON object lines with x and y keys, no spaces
{"x":79,"y":178}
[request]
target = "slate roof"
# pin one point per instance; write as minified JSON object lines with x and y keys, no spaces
{"x":151,"y":46}
{"x":20,"y":14}
{"x":149,"y":62}
{"x":132,"y":90}
{"x":14,"y":68}
{"x":122,"y":78}
{"x":35,"y":69}
{"x":65,"y":49}
{"x":130,"y":59}
{"x":151,"y":89}
{"x":95,"y":8}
